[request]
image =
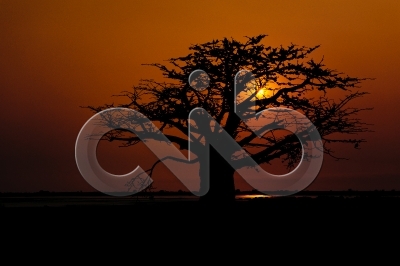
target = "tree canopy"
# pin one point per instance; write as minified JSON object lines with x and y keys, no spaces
{"x":284,"y":77}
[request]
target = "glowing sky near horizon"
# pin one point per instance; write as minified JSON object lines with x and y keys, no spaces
{"x":59,"y":55}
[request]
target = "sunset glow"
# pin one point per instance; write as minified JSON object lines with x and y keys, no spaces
{"x":264,"y":93}
{"x":57,"y":56}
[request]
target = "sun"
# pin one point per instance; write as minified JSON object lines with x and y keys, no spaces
{"x":264,"y":93}
{"x":268,"y":90}
{"x":261,"y":93}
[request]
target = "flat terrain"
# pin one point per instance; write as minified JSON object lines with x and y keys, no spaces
{"x":349,"y":202}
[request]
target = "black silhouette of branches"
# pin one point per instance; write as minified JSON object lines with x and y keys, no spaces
{"x":285,"y":77}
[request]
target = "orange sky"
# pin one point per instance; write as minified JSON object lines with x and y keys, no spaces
{"x":59,"y":55}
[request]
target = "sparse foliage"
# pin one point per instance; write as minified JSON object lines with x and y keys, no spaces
{"x":285,"y":77}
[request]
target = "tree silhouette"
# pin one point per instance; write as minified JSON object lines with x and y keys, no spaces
{"x":284,"y":77}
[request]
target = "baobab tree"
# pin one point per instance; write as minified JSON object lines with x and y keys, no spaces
{"x":284,"y":77}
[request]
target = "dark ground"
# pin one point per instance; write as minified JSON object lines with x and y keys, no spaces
{"x":349,"y":203}
{"x":323,"y":216}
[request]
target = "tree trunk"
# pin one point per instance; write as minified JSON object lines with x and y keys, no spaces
{"x":222,"y":186}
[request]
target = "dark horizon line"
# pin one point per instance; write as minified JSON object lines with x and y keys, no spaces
{"x":347,"y":192}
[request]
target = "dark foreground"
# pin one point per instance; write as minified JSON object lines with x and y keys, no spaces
{"x":88,"y":221}
{"x":351,"y":204}
{"x":343,"y":217}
